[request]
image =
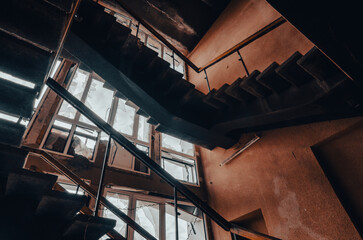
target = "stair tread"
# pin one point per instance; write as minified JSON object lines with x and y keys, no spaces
{"x":60,"y":205}
{"x":93,"y":227}
{"x":16,"y":99}
{"x":27,"y":184}
{"x":292,"y":72}
{"x":11,"y":133}
{"x":271,"y":80}
{"x":64,"y":5}
{"x":250,"y":85}
{"x":36,"y":21}
{"x":319,"y":66}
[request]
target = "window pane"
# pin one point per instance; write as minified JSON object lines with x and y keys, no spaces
{"x":190,"y":227}
{"x":99,"y":100}
{"x":119,"y":157}
{"x":144,"y":129}
{"x":124,"y":119}
{"x":122,"y":203}
{"x":154,"y":45}
{"x":179,"y":64}
{"x":76,"y":88}
{"x":176,"y":144}
{"x":71,"y":188}
{"x":147,"y":215}
{"x":139,"y":166}
{"x":58,"y":136}
{"x":179,"y":170}
{"x":83,"y":142}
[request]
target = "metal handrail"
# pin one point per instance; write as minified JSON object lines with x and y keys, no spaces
{"x":268,"y":28}
{"x":92,"y":192}
{"x":130,"y":147}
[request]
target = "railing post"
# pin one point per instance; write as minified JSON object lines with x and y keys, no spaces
{"x":206,"y":78}
{"x":176,"y":214}
{"x":243,"y":63}
{"x":102,"y":177}
{"x":137,"y":29}
{"x":173,"y":60}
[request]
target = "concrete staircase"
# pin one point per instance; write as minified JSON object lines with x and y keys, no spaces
{"x":30,"y":209}
{"x":302,"y":89}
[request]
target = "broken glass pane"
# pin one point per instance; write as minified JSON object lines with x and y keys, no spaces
{"x":147,"y":215}
{"x":99,"y":100}
{"x":124,"y":118}
{"x":57,"y":136}
{"x":144,"y":129}
{"x":122,"y":203}
{"x":76,"y":88}
{"x":83,"y":142}
{"x":180,"y":170}
{"x":177,"y":144}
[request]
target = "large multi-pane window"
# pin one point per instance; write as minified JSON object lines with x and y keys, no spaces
{"x":155,"y":215}
{"x":178,"y":158}
{"x":72,"y":134}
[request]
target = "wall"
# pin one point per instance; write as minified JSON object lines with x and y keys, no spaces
{"x":279,"y":175}
{"x":239,"y":20}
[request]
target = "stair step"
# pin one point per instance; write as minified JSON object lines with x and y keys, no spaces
{"x":26,"y":184}
{"x":37,"y":21}
{"x":108,"y":86}
{"x":16,"y":99}
{"x":271,"y":80}
{"x":11,"y":133}
{"x":168,"y":79}
{"x":319,"y":66}
{"x":292,"y":72}
{"x":179,"y":89}
{"x":64,"y":5}
{"x":211,"y":99}
{"x":225,"y":98}
{"x":88,"y":227}
{"x":151,"y":121}
{"x":141,"y":112}
{"x":145,"y":57}
{"x":237,"y":93}
{"x":120,"y":95}
{"x":157,"y":68}
{"x":60,"y":205}
{"x":23,"y":60}
{"x":250,"y":85}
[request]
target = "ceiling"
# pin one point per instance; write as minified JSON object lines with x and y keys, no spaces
{"x":184,"y":21}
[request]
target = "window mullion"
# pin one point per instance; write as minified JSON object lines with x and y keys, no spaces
{"x":70,"y":137}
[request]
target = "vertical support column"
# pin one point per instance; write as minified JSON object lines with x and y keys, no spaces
{"x":102,"y":177}
{"x":206,"y":78}
{"x":243,"y":63}
{"x":176,"y":214}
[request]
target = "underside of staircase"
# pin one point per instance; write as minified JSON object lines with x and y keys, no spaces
{"x":304,"y":88}
{"x":31,"y":209}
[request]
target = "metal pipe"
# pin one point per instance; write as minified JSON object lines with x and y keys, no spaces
{"x":230,"y":158}
{"x":64,"y":36}
{"x":176,"y":214}
{"x":206,"y":78}
{"x":102,"y":177}
{"x":243,"y":63}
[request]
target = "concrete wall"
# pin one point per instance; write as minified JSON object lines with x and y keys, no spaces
{"x":279,"y":175}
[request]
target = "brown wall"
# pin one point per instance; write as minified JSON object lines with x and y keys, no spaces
{"x":241,"y":19}
{"x":279,"y":175}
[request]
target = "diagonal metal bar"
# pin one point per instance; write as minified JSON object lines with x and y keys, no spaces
{"x":91,"y":191}
{"x":129,"y":146}
{"x":99,"y":122}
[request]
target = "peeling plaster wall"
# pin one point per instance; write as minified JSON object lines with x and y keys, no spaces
{"x":279,"y":174}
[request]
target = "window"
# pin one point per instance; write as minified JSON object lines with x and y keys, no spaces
{"x":73,"y":134}
{"x":147,"y":211}
{"x":178,"y":158}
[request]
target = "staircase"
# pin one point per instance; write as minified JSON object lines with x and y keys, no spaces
{"x":30,"y":209}
{"x":304,"y":88}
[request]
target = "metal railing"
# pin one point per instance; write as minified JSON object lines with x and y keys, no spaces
{"x":91,"y":191}
{"x":130,"y":147}
{"x":263,"y":31}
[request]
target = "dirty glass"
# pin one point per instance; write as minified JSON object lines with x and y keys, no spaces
{"x":122,"y":203}
{"x":57,"y":136}
{"x":76,"y":88}
{"x":99,"y":100}
{"x":180,"y":171}
{"x":83,"y":142}
{"x":177,"y":145}
{"x":124,"y":118}
{"x":147,"y":215}
{"x":144,"y":129}
{"x":179,"y":64}
{"x":170,"y":225}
